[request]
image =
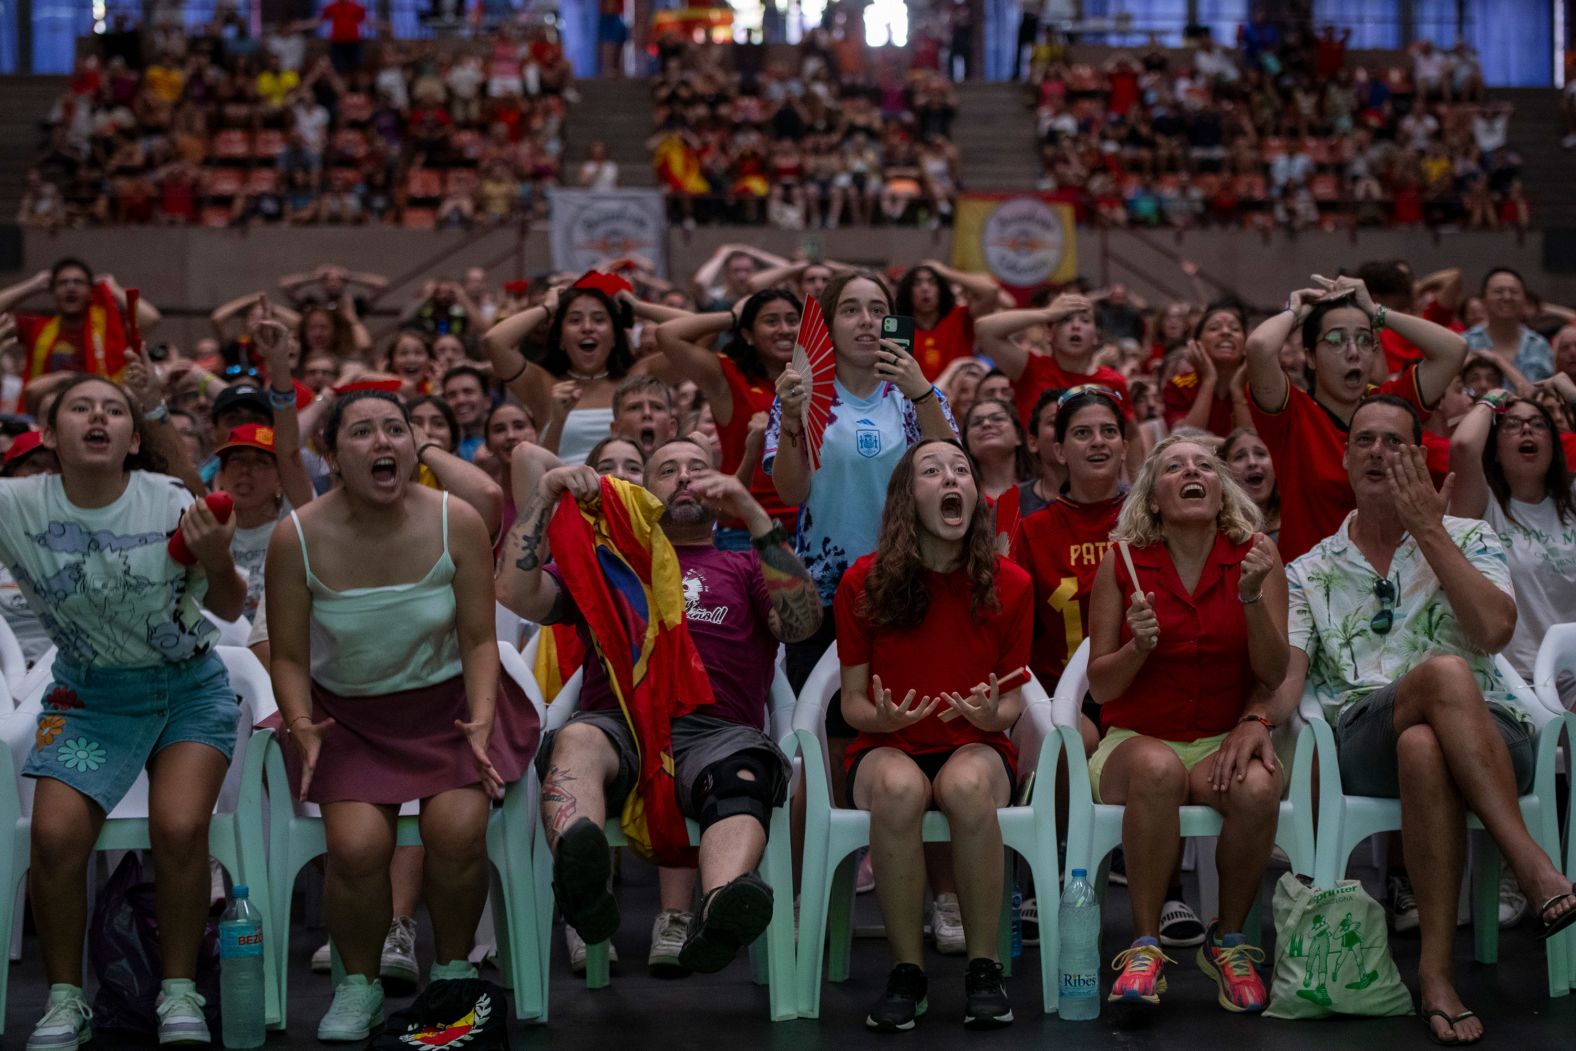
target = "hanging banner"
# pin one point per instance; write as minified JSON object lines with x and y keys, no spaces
{"x":1022,"y":240}
{"x":592,"y":226}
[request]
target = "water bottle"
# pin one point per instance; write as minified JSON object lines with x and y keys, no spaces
{"x":241,"y":972}
{"x":1079,"y":929}
{"x":1017,"y":922}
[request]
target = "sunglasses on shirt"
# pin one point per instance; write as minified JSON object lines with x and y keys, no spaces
{"x":1381,"y":623}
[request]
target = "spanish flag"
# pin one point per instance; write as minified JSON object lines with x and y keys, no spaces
{"x":624,"y":577}
{"x":558,"y":655}
{"x":105,"y":333}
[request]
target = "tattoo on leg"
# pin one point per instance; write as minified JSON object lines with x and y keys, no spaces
{"x":555,"y":790}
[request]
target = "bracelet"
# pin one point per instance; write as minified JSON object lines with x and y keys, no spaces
{"x":1250,"y":601}
{"x":1251,"y":718}
{"x":292,"y":723}
{"x":281,"y":399}
{"x":158,"y":414}
{"x":525,"y":363}
{"x":793,"y":437}
{"x":773,"y":537}
{"x":930,"y":393}
{"x":1379,"y":318}
{"x":424,"y":447}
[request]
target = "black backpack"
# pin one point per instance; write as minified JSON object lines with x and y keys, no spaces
{"x":464,"y":1013}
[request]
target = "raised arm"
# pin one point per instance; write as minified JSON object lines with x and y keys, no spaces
{"x":1470,"y":495}
{"x":682,"y":341}
{"x":525,"y":379}
{"x":272,"y":337}
{"x":980,"y":289}
{"x":147,"y":314}
{"x":1267,"y":384}
{"x":522,"y":586}
{"x":1444,"y":285}
{"x":24,"y":290}
{"x":1443,"y":350}
{"x":147,"y":391}
{"x":466,"y":481}
{"x":993,"y":332}
{"x":224,"y":312}
{"x":796,"y":604}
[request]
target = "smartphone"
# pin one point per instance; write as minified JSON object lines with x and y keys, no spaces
{"x":899,"y":330}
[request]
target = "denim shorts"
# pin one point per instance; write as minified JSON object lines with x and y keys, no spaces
{"x":100,"y":727}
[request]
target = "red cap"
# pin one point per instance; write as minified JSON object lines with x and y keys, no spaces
{"x":387,"y":386}
{"x":250,"y":436}
{"x":23,"y":445}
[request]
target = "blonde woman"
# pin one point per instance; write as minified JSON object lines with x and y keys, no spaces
{"x":1187,"y":630}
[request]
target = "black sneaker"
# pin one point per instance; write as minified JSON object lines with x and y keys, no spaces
{"x":729,"y":918}
{"x":582,"y":869}
{"x":902,"y":1003}
{"x":1118,"y":874}
{"x":985,"y":1003}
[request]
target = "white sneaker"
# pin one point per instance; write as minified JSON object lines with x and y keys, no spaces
{"x":864,"y":875}
{"x":1512,"y":903}
{"x":67,"y":1022}
{"x":180,"y":1013}
{"x":323,"y":959}
{"x":946,"y":925}
{"x":668,"y":932}
{"x":1180,"y":926}
{"x":397,"y":966}
{"x":577,"y":950}
{"x":355,"y":1014}
{"x":454,"y":970}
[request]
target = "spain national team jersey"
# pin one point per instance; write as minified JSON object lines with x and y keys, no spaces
{"x":1062,"y":547}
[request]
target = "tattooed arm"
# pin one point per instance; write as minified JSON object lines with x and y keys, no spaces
{"x":796,"y":604}
{"x":522,"y":587}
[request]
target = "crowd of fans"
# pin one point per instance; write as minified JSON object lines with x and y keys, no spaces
{"x":1287,"y":132}
{"x":222,"y":129}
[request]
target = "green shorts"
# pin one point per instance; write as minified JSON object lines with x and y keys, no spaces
{"x":1190,"y":752}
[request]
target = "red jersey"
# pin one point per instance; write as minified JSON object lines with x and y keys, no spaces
{"x":344,"y":21}
{"x":1196,"y":682}
{"x":1177,"y":401}
{"x":1006,"y":510}
{"x":951,"y":651}
{"x":749,"y":397}
{"x":1041,"y":372}
{"x":1062,"y":547}
{"x":952,"y":338}
{"x":1436,"y":447}
{"x":1307,"y":444}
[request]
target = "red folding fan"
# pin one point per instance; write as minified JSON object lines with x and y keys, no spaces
{"x":816,"y":362}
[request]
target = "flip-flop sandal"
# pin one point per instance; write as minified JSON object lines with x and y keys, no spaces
{"x":1428,"y":1024}
{"x":1559,"y":923}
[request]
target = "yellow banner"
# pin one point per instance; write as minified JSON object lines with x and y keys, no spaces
{"x":1023,"y":240}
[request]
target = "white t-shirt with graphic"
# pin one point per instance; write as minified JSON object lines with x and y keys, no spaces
{"x":100,"y":579}
{"x":1541,"y":551}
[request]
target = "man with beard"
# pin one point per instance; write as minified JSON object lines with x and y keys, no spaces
{"x":728,"y":775}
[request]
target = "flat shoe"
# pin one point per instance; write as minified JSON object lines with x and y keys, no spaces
{"x":1552,"y":927}
{"x":1426,"y":1016}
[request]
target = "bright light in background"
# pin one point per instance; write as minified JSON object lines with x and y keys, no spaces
{"x":100,"y":9}
{"x":886,"y":21}
{"x":1559,"y":44}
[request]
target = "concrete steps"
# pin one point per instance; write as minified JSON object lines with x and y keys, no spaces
{"x":24,"y":106}
{"x":994,"y":133}
{"x":1535,"y":132}
{"x":619,"y":113}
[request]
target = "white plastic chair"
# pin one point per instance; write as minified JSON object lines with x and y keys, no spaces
{"x":1095,"y":829}
{"x":127,"y":825}
{"x":1344,"y":820}
{"x":1556,"y":657}
{"x":833,"y":834}
{"x":13,"y":666}
{"x":295,"y":836}
{"x":773,"y":963}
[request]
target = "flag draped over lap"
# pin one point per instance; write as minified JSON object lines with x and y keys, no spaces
{"x":624,"y":577}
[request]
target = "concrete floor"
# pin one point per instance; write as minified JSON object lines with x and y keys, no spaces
{"x":705,"y":1012}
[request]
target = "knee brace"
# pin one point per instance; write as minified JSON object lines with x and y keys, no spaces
{"x":746,"y":783}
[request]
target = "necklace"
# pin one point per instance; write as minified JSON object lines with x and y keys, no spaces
{"x":587,"y":377}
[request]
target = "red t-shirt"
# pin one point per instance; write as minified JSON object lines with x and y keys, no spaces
{"x":1177,"y":401}
{"x":344,"y":21}
{"x":1062,"y":546}
{"x":1041,"y":372}
{"x":952,"y":338}
{"x":1005,"y":509}
{"x":1436,"y":447}
{"x":951,"y":651}
{"x":1307,"y":445}
{"x":1196,"y":682}
{"x":749,"y":397}
{"x":1568,"y":443}
{"x":1399,"y":352}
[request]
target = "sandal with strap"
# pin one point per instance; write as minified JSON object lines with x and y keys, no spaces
{"x":1552,"y":927}
{"x":1428,"y":1016}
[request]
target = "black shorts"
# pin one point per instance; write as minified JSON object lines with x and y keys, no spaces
{"x":930,"y":764}
{"x":801,"y":660}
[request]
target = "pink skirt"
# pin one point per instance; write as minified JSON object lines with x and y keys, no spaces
{"x":400,"y":747}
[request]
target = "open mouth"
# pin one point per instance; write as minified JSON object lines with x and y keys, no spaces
{"x":385,"y":469}
{"x":1528,"y":447}
{"x":96,"y":438}
{"x":648,"y":437}
{"x":1095,"y":459}
{"x":952,"y":509}
{"x":1352,"y":376}
{"x":1193,"y":491}
{"x":1253,"y":479}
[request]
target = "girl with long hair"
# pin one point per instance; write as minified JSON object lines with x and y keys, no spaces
{"x":1176,"y":678}
{"x":136,"y":684}
{"x":1248,"y":458}
{"x":933,"y":620}
{"x":588,"y":356}
{"x":740,"y":386}
{"x":325,"y":331}
{"x":1201,"y":395}
{"x":387,"y":677}
{"x":994,"y":436}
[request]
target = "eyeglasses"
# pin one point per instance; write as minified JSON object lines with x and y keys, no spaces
{"x":1337,"y":338}
{"x":995,"y":419}
{"x":1519,"y":424}
{"x":1381,"y":622}
{"x":1087,"y":388}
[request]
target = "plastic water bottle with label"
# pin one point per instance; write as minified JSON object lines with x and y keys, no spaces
{"x":1079,"y":928}
{"x":241,"y":972}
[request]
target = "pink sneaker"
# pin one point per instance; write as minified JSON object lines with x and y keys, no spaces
{"x":1231,"y":966}
{"x":1143,"y":976}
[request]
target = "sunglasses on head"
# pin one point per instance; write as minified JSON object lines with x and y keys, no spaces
{"x":1088,"y":388}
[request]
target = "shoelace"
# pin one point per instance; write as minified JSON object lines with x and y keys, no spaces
{"x":403,"y":937}
{"x":1142,"y":958}
{"x":195,"y":1000}
{"x":1238,"y":959}
{"x":1405,"y":900}
{"x":76,"y":1004}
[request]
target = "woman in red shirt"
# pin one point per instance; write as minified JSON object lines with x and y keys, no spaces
{"x":929,"y":623}
{"x":1201,"y":395}
{"x":1177,"y":678}
{"x":740,"y":385}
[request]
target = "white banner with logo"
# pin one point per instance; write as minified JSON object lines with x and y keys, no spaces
{"x":591,"y":226}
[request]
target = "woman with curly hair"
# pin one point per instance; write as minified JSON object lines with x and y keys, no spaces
{"x":1178,"y":679}
{"x":927,"y":625}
